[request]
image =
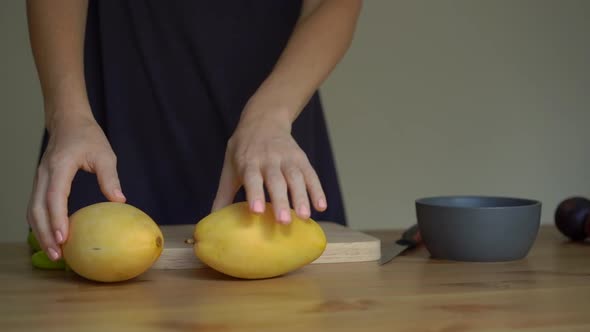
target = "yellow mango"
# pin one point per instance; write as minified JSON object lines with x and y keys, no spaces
{"x":242,"y":244}
{"x":110,"y":242}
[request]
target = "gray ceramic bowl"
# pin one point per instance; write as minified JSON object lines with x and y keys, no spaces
{"x":478,"y":228}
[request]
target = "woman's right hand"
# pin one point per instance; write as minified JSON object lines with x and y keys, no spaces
{"x":76,"y":142}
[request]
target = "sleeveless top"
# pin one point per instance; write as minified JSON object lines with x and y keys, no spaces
{"x":167,"y":81}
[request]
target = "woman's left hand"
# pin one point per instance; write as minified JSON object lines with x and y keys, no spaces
{"x":262,"y":153}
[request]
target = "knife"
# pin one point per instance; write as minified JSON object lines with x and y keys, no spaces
{"x":410,"y":239}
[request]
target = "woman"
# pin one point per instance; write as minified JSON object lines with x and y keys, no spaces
{"x":183,"y":107}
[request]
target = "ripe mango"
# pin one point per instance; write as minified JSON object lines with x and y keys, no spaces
{"x":110,"y":242}
{"x":246,"y":245}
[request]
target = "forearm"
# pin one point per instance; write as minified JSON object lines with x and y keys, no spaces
{"x":319,"y":41}
{"x":56,"y":32}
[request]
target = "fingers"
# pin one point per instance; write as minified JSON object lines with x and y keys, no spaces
{"x":105,"y":168}
{"x":296,"y":183}
{"x":314,"y":187}
{"x":294,"y":178}
{"x":227,"y":189}
{"x":38,"y":216}
{"x":277,"y":189}
{"x":253,"y":185}
{"x":58,"y":189}
{"x":277,"y":164}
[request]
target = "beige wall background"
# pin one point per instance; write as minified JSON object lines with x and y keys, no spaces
{"x":434,"y":98}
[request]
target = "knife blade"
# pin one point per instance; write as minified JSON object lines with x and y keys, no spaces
{"x":409,"y":239}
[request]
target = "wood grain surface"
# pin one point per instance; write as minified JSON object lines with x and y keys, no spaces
{"x":344,"y":245}
{"x":549,"y":290}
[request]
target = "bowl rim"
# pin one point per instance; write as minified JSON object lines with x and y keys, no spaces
{"x":525,"y":202}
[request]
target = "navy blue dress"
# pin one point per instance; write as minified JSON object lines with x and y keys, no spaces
{"x":167,"y":81}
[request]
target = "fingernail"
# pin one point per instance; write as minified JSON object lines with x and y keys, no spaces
{"x":53,"y":254}
{"x":59,"y":237}
{"x":119,"y":193}
{"x":303,"y":211}
{"x":322,"y":203}
{"x":284,"y":216}
{"x":258,"y":206}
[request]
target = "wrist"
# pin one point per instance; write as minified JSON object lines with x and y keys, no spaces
{"x":56,"y":114}
{"x":268,"y":112}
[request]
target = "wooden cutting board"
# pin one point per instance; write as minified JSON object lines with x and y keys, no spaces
{"x":344,"y":245}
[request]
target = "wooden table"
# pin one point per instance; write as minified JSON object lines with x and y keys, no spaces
{"x":547,"y":291}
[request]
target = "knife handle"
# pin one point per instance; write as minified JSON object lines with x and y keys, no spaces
{"x":411,"y":237}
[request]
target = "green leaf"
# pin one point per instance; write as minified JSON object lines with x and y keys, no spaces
{"x":32,"y":241}
{"x":41,"y":261}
